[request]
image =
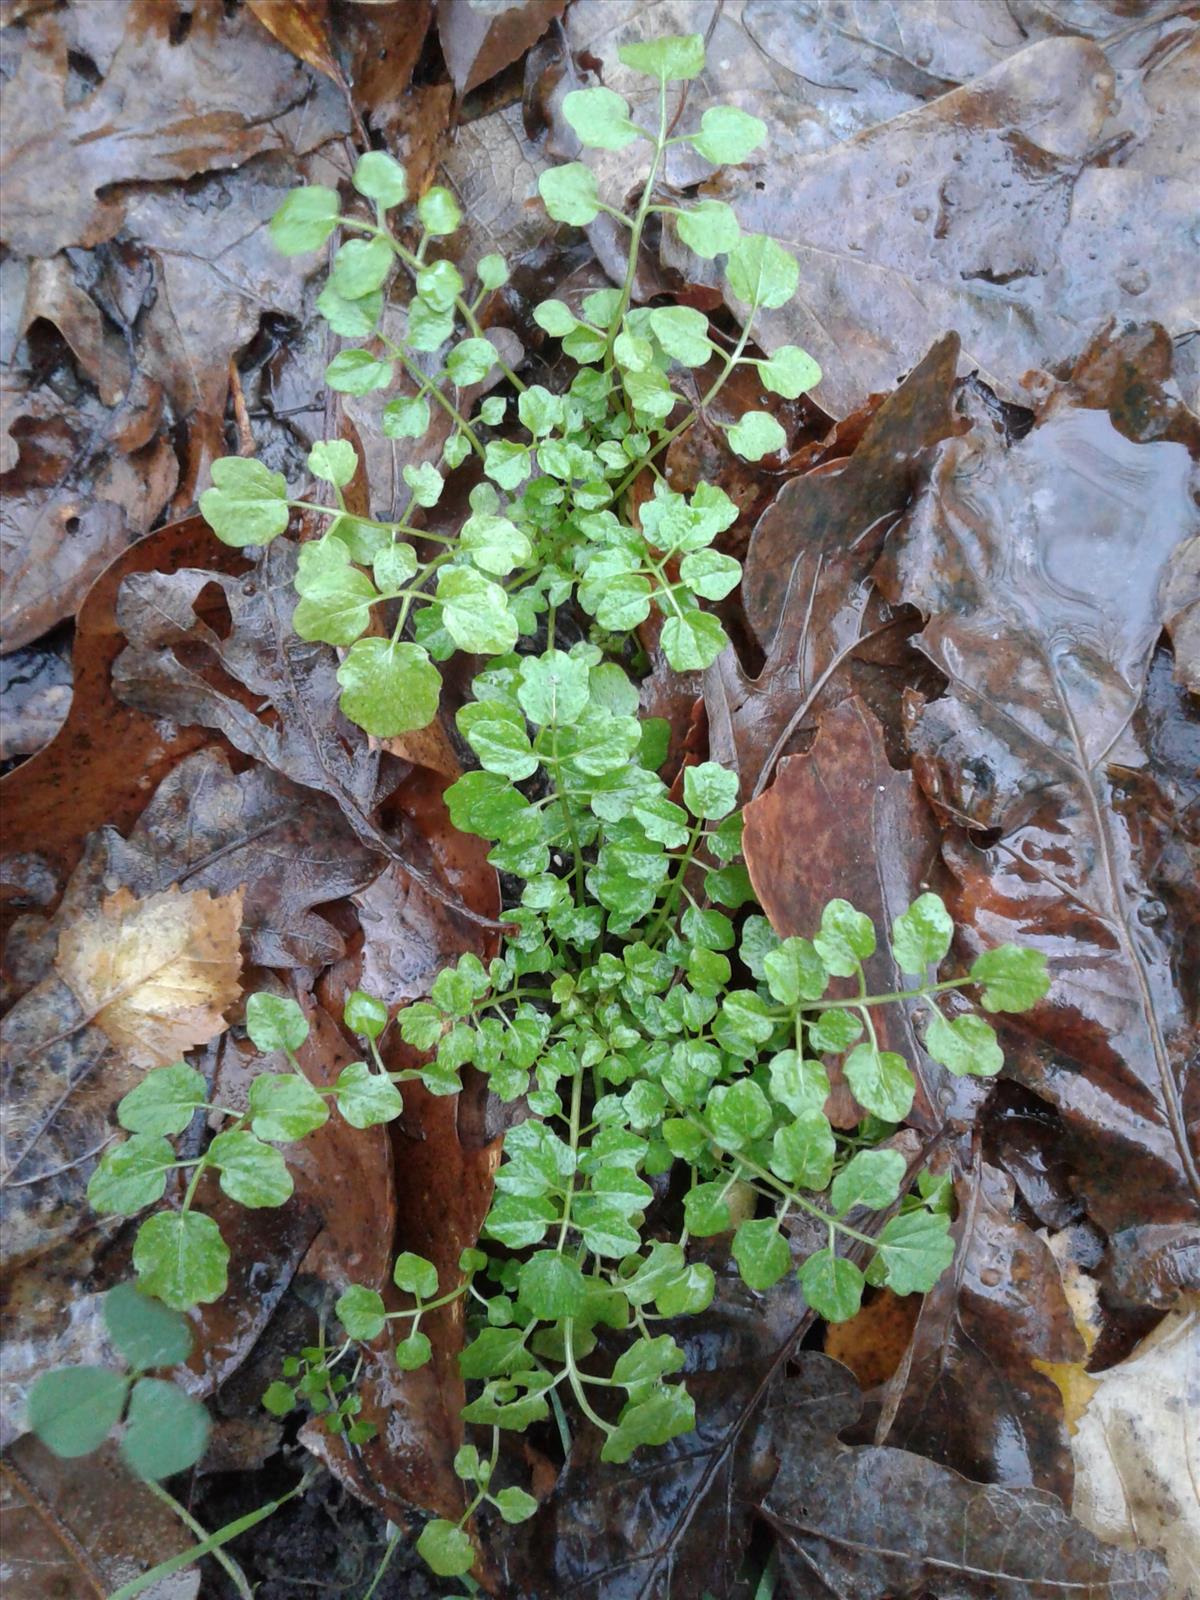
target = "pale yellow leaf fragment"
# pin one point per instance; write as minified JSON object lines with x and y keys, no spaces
{"x":156,"y":974}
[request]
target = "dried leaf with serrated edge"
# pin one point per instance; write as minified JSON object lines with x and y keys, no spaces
{"x":156,"y":975}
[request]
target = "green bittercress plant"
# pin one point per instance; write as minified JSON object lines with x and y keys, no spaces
{"x":669,"y":1053}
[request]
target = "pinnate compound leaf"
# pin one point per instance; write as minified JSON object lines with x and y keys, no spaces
{"x":166,"y":1430}
{"x":247,"y":503}
{"x":73,"y":1410}
{"x":389,"y":687}
{"x":181,"y":1259}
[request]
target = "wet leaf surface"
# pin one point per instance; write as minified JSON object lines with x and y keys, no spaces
{"x":867,"y":1522}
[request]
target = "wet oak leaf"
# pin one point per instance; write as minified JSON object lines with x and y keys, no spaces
{"x":157,"y":974}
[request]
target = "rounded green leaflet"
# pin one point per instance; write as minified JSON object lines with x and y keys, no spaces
{"x":353,"y":319}
{"x":439,"y":285}
{"x":405,"y":417}
{"x":393,"y":567}
{"x":475,"y":611}
{"x":514,"y":1504}
{"x":428,"y":329}
{"x":803,"y":1151}
{"x":364,"y":1014}
{"x":710,"y":228}
{"x":1013,"y":979}
{"x":492,"y":271}
{"x":683,"y":334}
{"x":252,"y":1173}
{"x":360,"y":267}
{"x":379,"y":177}
{"x":709,"y":790}
{"x":880,"y":1081}
{"x":832,"y":1286}
{"x":831,"y":1032}
{"x":164,"y":1102}
{"x":600,"y":118}
{"x":415,"y":1274}
{"x":790,"y":372}
{"x":550,"y":1286}
{"x":361,"y":1312}
{"x":965,"y":1044}
{"x":72,"y":1410}
{"x":305,"y":220}
{"x":285,"y":1106}
{"x":915,"y":1248}
{"x":425,"y":481}
{"x":438,"y":211}
{"x":801,"y":1086}
{"x":846,"y":938}
{"x":357,"y":372}
{"x":692,"y":641}
{"x":365,"y":1098}
{"x":871,"y":1178}
{"x":756,"y":434}
{"x":275,"y":1022}
{"x":145,"y":1331}
{"x":737,"y":1112}
{"x":131,"y":1175}
{"x":554,"y":318}
{"x":666,"y":1413}
{"x":555,"y":687}
{"x":921,"y":935}
{"x":333,"y":461}
{"x":710,"y":574}
{"x":336,"y":597}
{"x":706,"y":1208}
{"x":761,"y":1253}
{"x":247,"y":503}
{"x":279,"y":1399}
{"x":674,"y":57}
{"x":795,"y":972}
{"x":389,"y":687}
{"x":413,"y":1352}
{"x":570,"y":194}
{"x":181,"y":1258}
{"x":539,"y":410}
{"x":446,"y":1548}
{"x":507,"y":463}
{"x":728,"y":135}
{"x":166,"y":1430}
{"x":470,"y":361}
{"x":760,"y":272}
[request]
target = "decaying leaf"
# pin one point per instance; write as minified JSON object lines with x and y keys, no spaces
{"x":867,"y":1522}
{"x":478,"y":41}
{"x":156,"y":974}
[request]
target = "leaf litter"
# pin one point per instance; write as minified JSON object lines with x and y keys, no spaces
{"x":956,"y":637}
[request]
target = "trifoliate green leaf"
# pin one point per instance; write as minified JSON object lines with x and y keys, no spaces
{"x":333,"y":461}
{"x":728,"y":135}
{"x":247,"y":503}
{"x":379,"y":177}
{"x":670,"y":58}
{"x":600,"y":118}
{"x":760,"y":272}
{"x":790,"y":372}
{"x":880,"y":1081}
{"x":871,"y":1178}
{"x":361,"y":1312}
{"x":72,"y":1410}
{"x":446,"y":1548}
{"x":405,"y":417}
{"x":284,"y":1106}
{"x":389,"y":687}
{"x":570,"y":194}
{"x":915,"y":1248}
{"x":335,"y":596}
{"x":803,"y":1151}
{"x":832,"y":1286}
{"x":710,"y":228}
{"x":795,"y":972}
{"x":846,"y":938}
{"x":145,"y":1332}
{"x":1013,"y":979}
{"x":357,"y":372}
{"x":252,"y":1173}
{"x":470,"y":361}
{"x":365,"y":1098}
{"x":164,"y":1102}
{"x":475,"y":612}
{"x":360,"y":267}
{"x":438,"y":211}
{"x":683,"y":334}
{"x":181,"y":1259}
{"x":756,"y":434}
{"x":275,"y":1022}
{"x":761,"y":1253}
{"x":305,"y":220}
{"x":964,"y":1045}
{"x":131,"y":1175}
{"x":921,"y":935}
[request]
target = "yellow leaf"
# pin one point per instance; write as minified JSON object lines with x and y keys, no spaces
{"x":156,"y":974}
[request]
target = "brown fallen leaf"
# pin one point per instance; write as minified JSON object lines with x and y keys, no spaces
{"x":157,"y":974}
{"x":478,"y":41}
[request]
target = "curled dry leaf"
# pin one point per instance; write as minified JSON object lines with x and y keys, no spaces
{"x":156,"y":975}
{"x":1039,"y":568}
{"x":867,"y":1522}
{"x":480,"y":41}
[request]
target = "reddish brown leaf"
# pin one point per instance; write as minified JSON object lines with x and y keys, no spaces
{"x":480,"y":41}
